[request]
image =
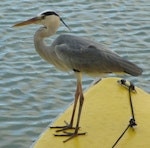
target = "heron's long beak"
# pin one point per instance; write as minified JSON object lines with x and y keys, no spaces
{"x":27,"y":22}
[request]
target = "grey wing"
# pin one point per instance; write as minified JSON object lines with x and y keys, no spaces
{"x":89,"y":59}
{"x":93,"y":60}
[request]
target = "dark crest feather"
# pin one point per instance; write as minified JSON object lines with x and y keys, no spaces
{"x":47,"y":13}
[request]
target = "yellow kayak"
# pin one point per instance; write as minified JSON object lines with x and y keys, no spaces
{"x":105,"y":117}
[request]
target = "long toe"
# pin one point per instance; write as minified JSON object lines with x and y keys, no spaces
{"x":63,"y":128}
{"x":70,"y":135}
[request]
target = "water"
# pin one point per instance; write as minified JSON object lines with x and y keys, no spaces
{"x":32,"y":92}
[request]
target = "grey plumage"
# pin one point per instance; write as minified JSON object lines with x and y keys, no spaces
{"x":90,"y":57}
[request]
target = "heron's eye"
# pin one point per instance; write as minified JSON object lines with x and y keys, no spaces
{"x":43,"y":17}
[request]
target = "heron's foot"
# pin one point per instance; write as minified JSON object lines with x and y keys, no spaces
{"x":71,"y":135}
{"x":63,"y":128}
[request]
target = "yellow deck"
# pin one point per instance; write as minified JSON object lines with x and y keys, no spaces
{"x":106,"y":113}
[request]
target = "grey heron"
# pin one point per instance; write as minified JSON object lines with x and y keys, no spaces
{"x":72,"y":53}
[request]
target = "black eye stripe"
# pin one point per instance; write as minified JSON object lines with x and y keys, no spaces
{"x":49,"y":13}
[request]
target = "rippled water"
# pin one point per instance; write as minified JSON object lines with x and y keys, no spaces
{"x":32,"y":92}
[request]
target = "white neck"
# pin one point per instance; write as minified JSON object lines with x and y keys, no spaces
{"x":51,"y":24}
{"x":48,"y":52}
{"x":39,"y":44}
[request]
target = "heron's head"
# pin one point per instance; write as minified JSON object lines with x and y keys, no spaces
{"x":47,"y":18}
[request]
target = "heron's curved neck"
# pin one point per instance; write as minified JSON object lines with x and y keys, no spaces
{"x":39,"y":43}
{"x":39,"y":36}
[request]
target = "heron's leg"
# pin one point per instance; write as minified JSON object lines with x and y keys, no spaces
{"x":70,"y":125}
{"x":81,"y":100}
{"x":76,"y":133}
{"x":75,"y":105}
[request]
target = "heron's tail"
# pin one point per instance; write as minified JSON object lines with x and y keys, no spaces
{"x":131,"y":68}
